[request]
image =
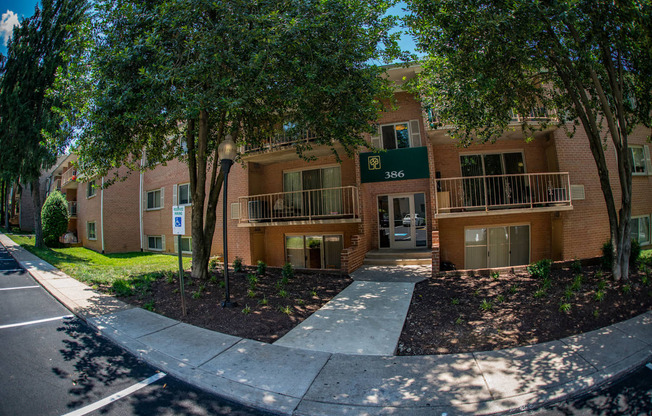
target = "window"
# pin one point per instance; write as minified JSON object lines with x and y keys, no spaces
{"x":398,"y":135}
{"x":155,"y":199}
{"x":637,"y":158}
{"x":235,"y":211}
{"x":640,"y":229}
{"x":314,"y":251}
{"x":155,"y":242}
{"x":186,"y":244}
{"x":90,"y":189}
{"x":496,"y":246}
{"x":323,"y":197}
{"x":184,"y":197}
{"x":90,"y":231}
{"x":499,"y":191}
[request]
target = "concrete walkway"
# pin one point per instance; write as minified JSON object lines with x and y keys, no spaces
{"x":302,"y":382}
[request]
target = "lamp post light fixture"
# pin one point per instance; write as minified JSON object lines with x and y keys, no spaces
{"x":226,"y":153}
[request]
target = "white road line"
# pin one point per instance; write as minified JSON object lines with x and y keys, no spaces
{"x":35,"y":322}
{"x":114,"y":397}
{"x":20,"y":287}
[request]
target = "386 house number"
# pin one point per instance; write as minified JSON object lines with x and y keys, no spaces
{"x":394,"y":174}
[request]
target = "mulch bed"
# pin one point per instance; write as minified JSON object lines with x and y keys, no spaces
{"x":447,"y":314}
{"x":254,"y":318}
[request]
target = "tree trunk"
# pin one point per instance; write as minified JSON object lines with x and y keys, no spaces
{"x":12,"y":204}
{"x":38,"y":204}
{"x":5,"y":213}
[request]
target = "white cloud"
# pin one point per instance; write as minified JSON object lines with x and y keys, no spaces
{"x":7,"y":23}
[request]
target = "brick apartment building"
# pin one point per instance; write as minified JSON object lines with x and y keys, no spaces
{"x":423,"y":199}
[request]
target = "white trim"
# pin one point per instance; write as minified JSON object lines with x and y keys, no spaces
{"x":88,"y":184}
{"x":630,"y":150}
{"x":490,"y":152}
{"x":179,"y":193}
{"x":187,"y":238}
{"x":235,"y":210}
{"x":154,"y":249}
{"x":95,"y":229}
{"x":316,"y":167}
{"x":649,"y":230}
{"x":160,"y":200}
{"x":382,"y":142}
{"x":102,"y":213}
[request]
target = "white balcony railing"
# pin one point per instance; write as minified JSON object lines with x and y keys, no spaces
{"x":538,"y":114}
{"x":308,"y":205}
{"x":72,"y":208}
{"x":477,"y":193}
{"x":68,"y":176}
{"x":279,"y":141}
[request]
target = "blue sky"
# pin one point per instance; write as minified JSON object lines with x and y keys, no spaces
{"x":10,"y":12}
{"x":15,"y":10}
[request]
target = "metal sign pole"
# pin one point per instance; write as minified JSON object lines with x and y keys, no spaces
{"x":183,"y":297}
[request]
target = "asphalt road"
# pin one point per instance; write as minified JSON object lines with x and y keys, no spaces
{"x":58,"y":365}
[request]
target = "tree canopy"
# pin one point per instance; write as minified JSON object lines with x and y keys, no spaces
{"x":171,"y":79}
{"x":590,"y":61}
{"x":27,"y":121}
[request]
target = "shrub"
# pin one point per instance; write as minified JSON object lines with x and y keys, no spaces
{"x":608,"y":258}
{"x":540,"y":269}
{"x":287,"y":272}
{"x":576,"y":266}
{"x":262,"y":268}
{"x":237,"y":265}
{"x":214,"y":263}
{"x":54,"y":216}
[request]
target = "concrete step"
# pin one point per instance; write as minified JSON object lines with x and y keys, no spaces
{"x":396,"y":262}
{"x":400,"y":254}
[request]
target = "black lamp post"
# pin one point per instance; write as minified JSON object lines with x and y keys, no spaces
{"x":226,"y":153}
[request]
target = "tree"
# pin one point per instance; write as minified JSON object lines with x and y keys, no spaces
{"x":157,"y":80}
{"x":54,"y":217}
{"x":590,"y":60}
{"x":33,"y":55}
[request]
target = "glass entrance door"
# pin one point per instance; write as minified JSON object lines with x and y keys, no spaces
{"x":402,"y":221}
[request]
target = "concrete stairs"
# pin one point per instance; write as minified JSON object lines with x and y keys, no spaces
{"x":412,"y":257}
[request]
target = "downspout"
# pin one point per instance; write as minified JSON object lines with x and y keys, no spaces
{"x":140,"y":201}
{"x":102,"y":213}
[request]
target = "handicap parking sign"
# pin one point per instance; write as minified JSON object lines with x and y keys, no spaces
{"x":178,"y":220}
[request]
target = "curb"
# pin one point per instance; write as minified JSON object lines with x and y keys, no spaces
{"x":293,"y":381}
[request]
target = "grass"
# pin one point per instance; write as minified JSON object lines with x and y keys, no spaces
{"x":103,"y":269}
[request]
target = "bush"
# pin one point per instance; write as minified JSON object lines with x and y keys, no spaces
{"x":287,"y":271}
{"x":540,"y":269}
{"x":608,"y":259}
{"x":262,"y":268}
{"x":54,"y":215}
{"x":237,"y":265}
{"x":213,"y":263}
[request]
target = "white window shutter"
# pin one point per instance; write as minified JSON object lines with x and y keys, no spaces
{"x":415,"y":133}
{"x":648,"y":161}
{"x":163,"y":242}
{"x":174,"y":196}
{"x":162,"y":196}
{"x":176,"y":242}
{"x":375,"y":138}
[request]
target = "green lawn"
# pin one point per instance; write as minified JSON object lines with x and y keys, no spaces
{"x":103,"y":269}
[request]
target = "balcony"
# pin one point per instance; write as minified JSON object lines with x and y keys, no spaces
{"x":315,"y":206}
{"x":69,"y":179}
{"x":536,"y":116}
{"x":281,"y":148}
{"x":72,"y":209}
{"x":502,"y":194}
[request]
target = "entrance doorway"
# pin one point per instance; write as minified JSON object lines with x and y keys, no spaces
{"x":402,"y":221}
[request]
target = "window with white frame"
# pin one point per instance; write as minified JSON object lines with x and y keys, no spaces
{"x":639,"y":157}
{"x":90,"y":231}
{"x":398,"y":135}
{"x":498,"y":246}
{"x":183,"y":195}
{"x":91,"y":190}
{"x":154,"y":199}
{"x":155,"y":242}
{"x":640,"y":229}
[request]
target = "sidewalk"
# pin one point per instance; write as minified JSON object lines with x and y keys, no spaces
{"x":302,"y":382}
